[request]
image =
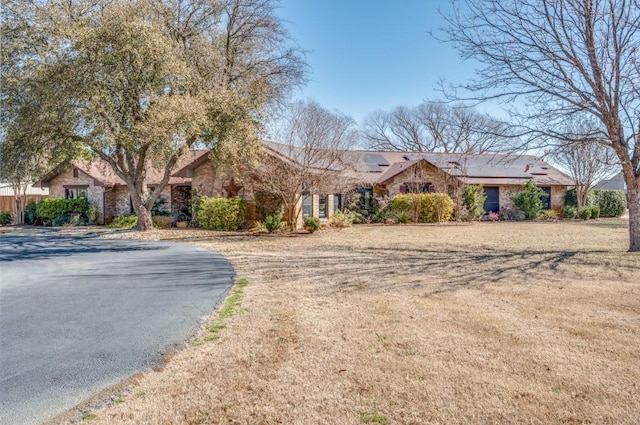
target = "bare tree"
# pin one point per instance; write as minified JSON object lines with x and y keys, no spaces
{"x":560,"y":58}
{"x":585,"y":157}
{"x":140,"y":82}
{"x":435,"y":127}
{"x":309,"y":158}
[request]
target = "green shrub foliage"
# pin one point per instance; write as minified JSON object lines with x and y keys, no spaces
{"x":221,"y":213}
{"x":5,"y":218}
{"x":30,"y":212}
{"x":595,"y":211}
{"x":273,"y":222}
{"x":584,"y":213}
{"x":311,"y":224}
{"x":422,"y":207}
{"x":127,"y":221}
{"x":59,"y":211}
{"x":529,"y":200}
{"x":343,"y":218}
{"x":570,"y":211}
{"x":570,"y":199}
{"x":473,"y":200}
{"x":612,"y":203}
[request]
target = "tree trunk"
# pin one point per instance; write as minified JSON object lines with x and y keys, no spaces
{"x":144,"y":218}
{"x":142,"y":212}
{"x":633,"y":200}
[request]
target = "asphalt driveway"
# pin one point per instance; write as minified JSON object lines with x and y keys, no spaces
{"x":80,"y":314}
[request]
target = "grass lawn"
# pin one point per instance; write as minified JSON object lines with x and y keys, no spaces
{"x":500,"y":323}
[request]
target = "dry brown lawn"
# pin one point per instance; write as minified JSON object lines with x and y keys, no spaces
{"x":487,"y":323}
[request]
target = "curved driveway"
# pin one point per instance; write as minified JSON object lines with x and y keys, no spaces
{"x":80,"y":314}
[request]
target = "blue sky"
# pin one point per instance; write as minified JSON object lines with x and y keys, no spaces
{"x":376,"y":54}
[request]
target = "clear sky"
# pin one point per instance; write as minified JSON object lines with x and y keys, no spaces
{"x":366,"y":55}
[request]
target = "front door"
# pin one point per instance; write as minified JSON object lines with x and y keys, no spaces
{"x":493,"y":199}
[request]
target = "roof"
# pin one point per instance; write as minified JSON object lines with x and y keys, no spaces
{"x":614,"y":183}
{"x":379,"y":167}
{"x":382,"y":166}
{"x":103,"y":174}
{"x":7,"y":190}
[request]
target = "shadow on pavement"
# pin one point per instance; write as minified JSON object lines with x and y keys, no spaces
{"x":21,"y":247}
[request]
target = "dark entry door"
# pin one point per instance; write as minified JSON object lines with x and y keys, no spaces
{"x":493,"y":199}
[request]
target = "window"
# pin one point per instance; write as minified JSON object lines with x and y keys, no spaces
{"x":337,"y":202}
{"x":322,"y":206}
{"x":75,"y":192}
{"x":417,"y":187}
{"x":366,"y":199}
{"x":75,"y":173}
{"x":307,"y":205}
{"x":546,"y":199}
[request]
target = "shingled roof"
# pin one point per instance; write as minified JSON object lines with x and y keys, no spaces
{"x":103,"y":175}
{"x":488,"y":169}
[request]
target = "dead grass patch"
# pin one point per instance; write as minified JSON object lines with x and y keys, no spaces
{"x":501,"y":323}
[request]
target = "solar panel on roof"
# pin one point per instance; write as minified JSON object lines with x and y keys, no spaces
{"x":375,"y":158}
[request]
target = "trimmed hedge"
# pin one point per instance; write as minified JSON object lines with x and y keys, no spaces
{"x":59,"y":211}
{"x":221,"y":213}
{"x":612,"y":203}
{"x":423,"y":207}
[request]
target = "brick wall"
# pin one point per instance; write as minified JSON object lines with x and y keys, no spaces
{"x":66,"y":179}
{"x":415,"y":174}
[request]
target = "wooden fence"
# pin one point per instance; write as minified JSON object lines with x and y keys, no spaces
{"x":8,"y":203}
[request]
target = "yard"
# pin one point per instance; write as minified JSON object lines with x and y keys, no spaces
{"x":500,"y":323}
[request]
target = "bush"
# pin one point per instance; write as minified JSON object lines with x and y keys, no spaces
{"x":5,"y":218}
{"x":570,"y":211}
{"x":508,"y":213}
{"x":435,"y":207}
{"x":473,"y":202}
{"x":30,"y":212}
{"x":595,"y":211}
{"x":548,"y":215}
{"x":584,"y":213}
{"x":311,"y":224}
{"x":381,"y":210}
{"x":221,"y":213}
{"x":343,"y":218}
{"x":49,"y":209}
{"x":273,"y":222}
{"x":612,"y":203}
{"x":423,"y":207}
{"x":162,"y":221}
{"x":127,"y":221}
{"x":529,"y":201}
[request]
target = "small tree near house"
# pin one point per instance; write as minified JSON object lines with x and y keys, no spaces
{"x":309,"y":158}
{"x":529,"y":200}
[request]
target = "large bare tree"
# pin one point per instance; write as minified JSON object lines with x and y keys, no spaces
{"x":140,"y":82}
{"x":559,"y":58}
{"x":435,"y":127}
{"x":309,"y":157}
